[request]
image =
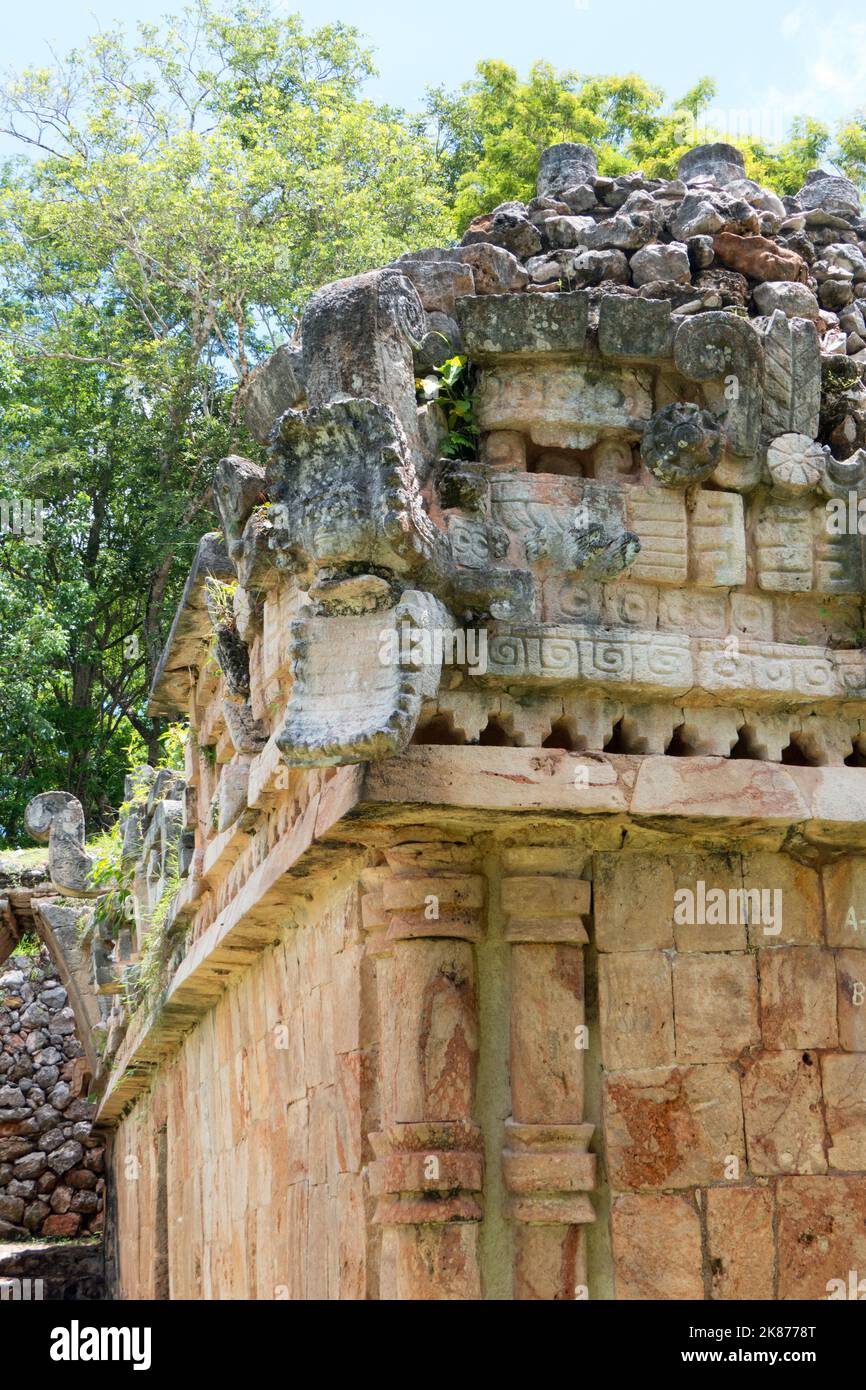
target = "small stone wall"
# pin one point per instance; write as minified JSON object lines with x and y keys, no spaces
{"x":51,"y":1181}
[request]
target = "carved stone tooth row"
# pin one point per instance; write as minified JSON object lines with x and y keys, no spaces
{"x":820,"y":739}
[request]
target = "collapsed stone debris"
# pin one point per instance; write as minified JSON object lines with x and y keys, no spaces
{"x":362,"y":912}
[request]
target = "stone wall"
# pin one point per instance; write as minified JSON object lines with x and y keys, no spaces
{"x":363,"y":1113}
{"x":734,"y":1088}
{"x":265,"y":1122}
{"x":51,"y":1165}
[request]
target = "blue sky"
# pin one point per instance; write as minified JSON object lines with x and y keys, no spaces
{"x":771,"y":58}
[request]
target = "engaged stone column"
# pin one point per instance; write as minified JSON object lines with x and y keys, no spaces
{"x":424,"y":913}
{"x":546,"y":1167}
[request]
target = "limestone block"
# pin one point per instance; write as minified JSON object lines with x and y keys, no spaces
{"x":635,"y":328}
{"x":58,"y":818}
{"x":798,"y":997}
{"x":672,"y":1126}
{"x":783,"y":1113}
{"x":565,"y":165}
{"x":844,"y":884}
{"x":658,"y":518}
{"x":504,"y":450}
{"x":547,"y":1012}
{"x":717,"y":540}
{"x":607,"y":660}
{"x":825,"y":739}
{"x":439,"y":283}
{"x":709,"y":732}
{"x":783,"y":547}
{"x":539,"y":907}
{"x":800,"y":901}
{"x":742,"y":1268}
{"x":715,"y":160}
{"x":625,"y":604}
{"x":428,"y":1031}
{"x":844,"y":1085}
{"x":635,"y":1009}
{"x":715,"y":1006}
{"x":752,"y":616}
{"x":633,"y":902}
{"x":838,"y":559}
{"x":716,"y":348}
{"x":695,"y":611}
{"x":592,"y":721}
{"x":821,"y":1234}
{"x":656,"y":1248}
{"x":277,"y":385}
{"x":702,"y":921}
{"x":498,"y":324}
{"x":851,"y":1000}
{"x":360,"y":681}
{"x":647,"y":729}
{"x":549,"y":1262}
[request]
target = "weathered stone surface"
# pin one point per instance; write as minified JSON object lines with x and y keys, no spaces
{"x":844,"y":1085}
{"x":277,"y":385}
{"x":638,"y":328}
{"x":58,"y":818}
{"x":383,"y":311}
{"x":681,"y":445}
{"x":661,"y":262}
{"x":741,"y":1242}
{"x":565,"y":166}
{"x":851,"y":999}
{"x":798,"y":997}
{"x":783,"y":1113}
{"x":495,"y":270}
{"x":715,"y":1006}
{"x":439,"y":283}
{"x":656,"y":1248}
{"x":795,"y":301}
{"x":758,"y":257}
{"x":635,"y":1009}
{"x":719,"y":161}
{"x":821,"y":1234}
{"x":829,"y":193}
{"x":634,"y":899}
{"x":672,"y":1126}
{"x":502,"y":324}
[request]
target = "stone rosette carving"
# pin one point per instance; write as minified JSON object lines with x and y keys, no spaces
{"x":796,"y":464}
{"x":681,"y":445}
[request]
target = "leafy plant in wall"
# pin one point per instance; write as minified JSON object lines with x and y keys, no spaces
{"x":450,"y":386}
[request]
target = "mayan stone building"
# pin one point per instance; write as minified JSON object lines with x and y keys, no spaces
{"x":505,"y":936}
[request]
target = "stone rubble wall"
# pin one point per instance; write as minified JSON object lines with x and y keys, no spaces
{"x":51,"y":1165}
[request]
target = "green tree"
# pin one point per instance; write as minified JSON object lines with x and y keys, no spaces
{"x":490,"y":133}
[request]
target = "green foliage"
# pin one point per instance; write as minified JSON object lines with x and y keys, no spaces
{"x":28,"y":945}
{"x":450,"y":387}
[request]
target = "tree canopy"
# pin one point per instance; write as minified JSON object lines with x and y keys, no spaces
{"x":178,"y":197}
